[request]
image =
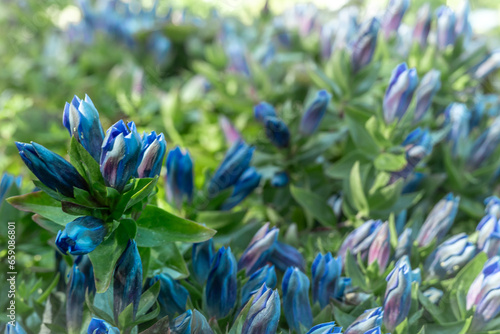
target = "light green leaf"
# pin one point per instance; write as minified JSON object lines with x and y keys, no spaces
{"x":390,"y":162}
{"x":357,"y":190}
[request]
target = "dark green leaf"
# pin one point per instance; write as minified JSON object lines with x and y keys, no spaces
{"x":314,"y":205}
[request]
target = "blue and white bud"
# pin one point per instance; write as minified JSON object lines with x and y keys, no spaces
{"x":426,"y":90}
{"x":326,"y":328}
{"x":445,"y":27}
{"x":400,"y":92}
{"x":393,"y":16}
{"x":151,"y":156}
{"x":458,"y":117}
{"x":364,"y":44}
{"x":264,"y":313}
{"x":488,"y":239}
{"x":423,"y":25}
{"x":485,"y":145}
{"x":434,"y":295}
{"x":492,"y":206}
{"x":380,"y":249}
{"x":488,"y":65}
{"x":258,"y":252}
{"x":369,"y":319}
{"x":485,"y":294}
{"x":359,"y":240}
{"x":397,"y":300}
{"x":405,"y":243}
{"x":265,"y":275}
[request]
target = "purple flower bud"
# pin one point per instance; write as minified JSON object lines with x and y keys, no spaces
{"x":393,"y":16}
{"x":284,"y":256}
{"x":434,"y":295}
{"x":458,"y":117}
{"x":258,"y":252}
{"x":445,"y":27}
{"x":400,"y":92}
{"x":232,"y":135}
{"x":81,"y":236}
{"x":314,"y":113}
{"x":489,"y":235}
{"x":397,"y":300}
{"x":265,"y":275}
{"x":326,"y":272}
{"x":359,"y":240}
{"x":370,"y":319}
{"x":405,"y":242}
{"x":179,"y":176}
{"x":221,"y":288}
{"x":364,"y":44}
{"x":296,"y":303}
{"x":264,"y":313}
{"x":450,"y":257}
{"x":423,"y":25}
{"x":262,"y":111}
{"x":326,"y":328}
{"x":380,"y":249}
{"x":425,"y":92}
{"x":485,"y":145}
{"x":151,"y":156}
{"x":491,"y":267}
{"x":439,"y":220}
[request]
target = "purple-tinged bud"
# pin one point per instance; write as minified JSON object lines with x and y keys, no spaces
{"x":434,"y":295}
{"x":393,"y":16}
{"x":180,"y":178}
{"x":326,"y":272}
{"x":265,"y":275}
{"x":262,"y":111}
{"x":488,"y":65}
{"x":296,"y":303}
{"x":489,"y":235}
{"x":364,"y":44}
{"x":258,"y":252}
{"x":380,"y":249}
{"x":400,"y":92}
{"x":201,"y":258}
{"x":397,"y":300}
{"x":428,"y":87}
{"x":326,"y":328}
{"x":485,"y":145}
{"x":264,"y":313}
{"x":359,"y":240}
{"x":314,"y":113}
{"x":405,"y":242}
{"x":284,"y":256}
{"x":439,"y":220}
{"x":369,"y":319}
{"x":458,"y":117}
{"x":492,"y":206}
{"x":151,"y":156}
{"x":450,"y":257}
{"x":445,"y":27}
{"x":232,"y":135}
{"x":491,"y":267}
{"x":221,"y":288}
{"x":423,"y":25}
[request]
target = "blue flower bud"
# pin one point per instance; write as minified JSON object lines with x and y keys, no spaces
{"x":359,"y":240}
{"x":476,"y":292}
{"x":151,"y":156}
{"x":265,"y":275}
{"x":245,"y":185}
{"x":401,"y":219}
{"x":127,"y":286}
{"x":82,"y":121}
{"x":413,"y":183}
{"x":380,"y":249}
{"x":284,"y":256}
{"x":262,"y":111}
{"x":51,"y":169}
{"x":295,"y":287}
{"x":428,"y":87}
{"x":485,"y":145}
{"x":458,"y":117}
{"x":405,"y":243}
{"x":237,"y":60}
{"x":277,"y":132}
{"x":326,"y":328}
{"x":393,"y":16}
{"x":81,"y":236}
{"x":221,"y":288}
{"x":264,"y":313}
{"x":326,"y":272}
{"x":397,"y":300}
{"x":450,"y":257}
{"x":258,"y":252}
{"x":190,"y":322}
{"x":236,"y":161}
{"x":14,"y":329}
{"x":489,"y":235}
{"x":489,"y":64}
{"x":314,"y":113}
{"x":445,"y":27}
{"x":179,"y":176}
{"x":120,"y":154}
{"x":280,"y":179}
{"x":434,"y":295}
{"x":172,"y":297}
{"x":7,"y":182}
{"x":98,"y":326}
{"x":365,"y":42}
{"x":370,"y":319}
{"x":202,"y":256}
{"x":423,"y":25}
{"x":75,"y":300}
{"x":400,"y":92}
{"x":439,"y":220}
{"x":492,"y":206}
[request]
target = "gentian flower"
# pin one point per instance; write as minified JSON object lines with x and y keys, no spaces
{"x":393,"y":16}
{"x":81,"y":236}
{"x":364,"y":44}
{"x":380,"y":249}
{"x":172,"y":297}
{"x":439,"y":220}
{"x":445,"y":27}
{"x":221,"y":288}
{"x":485,"y":145}
{"x":428,"y":87}
{"x":370,"y":319}
{"x":326,"y":272}
{"x":245,"y":185}
{"x":51,"y":169}
{"x":120,"y":154}
{"x":405,"y":242}
{"x":127,"y":286}
{"x":75,"y":300}
{"x":82,"y":121}
{"x":284,"y":256}
{"x":295,"y":287}
{"x":492,"y":206}
{"x":14,"y":329}
{"x":489,"y":64}
{"x":280,"y":179}
{"x":326,"y":328}
{"x":179,"y":176}
{"x":434,"y":295}
{"x":458,"y":117}
{"x":190,"y":322}
{"x":400,"y":92}
{"x":232,"y":135}
{"x":151,"y":156}
{"x":359,"y":240}
{"x":257,"y":254}
{"x":489,"y":235}
{"x":202,"y":256}
{"x":98,"y":326}
{"x":423,"y":25}
{"x":314,"y":113}
{"x":265,"y":275}
{"x":262,"y":111}
{"x":450,"y":257}
{"x":264,"y":313}
{"x":236,"y":161}
{"x":397,"y":300}
{"x":277,"y":132}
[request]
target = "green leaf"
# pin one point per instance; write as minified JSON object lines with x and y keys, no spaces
{"x":47,"y":224}
{"x":242,"y":316}
{"x":42,"y":204}
{"x":314,"y":205}
{"x":222,"y":221}
{"x":390,"y":162}
{"x":148,"y":299}
{"x":168,"y":259}
{"x":341,"y":168}
{"x":357,"y":190}
{"x":352,"y":270}
{"x":105,"y":256}
{"x":157,"y":227}
{"x":341,"y":318}
{"x":160,"y":327}
{"x":84,"y":163}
